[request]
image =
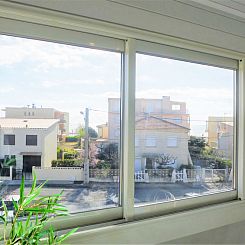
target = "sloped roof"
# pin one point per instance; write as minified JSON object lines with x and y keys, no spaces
{"x":164,"y":121}
{"x":27,"y":123}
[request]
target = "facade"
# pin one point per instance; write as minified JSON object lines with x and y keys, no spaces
{"x":41,"y":113}
{"x":160,"y":142}
{"x":162,"y":128}
{"x":32,"y":142}
{"x":103,"y":131}
{"x":225,"y":139}
{"x":214,"y":129}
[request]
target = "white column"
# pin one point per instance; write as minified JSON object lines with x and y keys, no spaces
{"x":173,"y":178}
{"x":185,"y":179}
{"x":128,"y":129}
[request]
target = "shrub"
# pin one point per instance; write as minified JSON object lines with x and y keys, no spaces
{"x":67,"y":163}
{"x":182,"y":166}
{"x":72,"y":139}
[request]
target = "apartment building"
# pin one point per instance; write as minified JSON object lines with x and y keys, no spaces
{"x":162,"y":127}
{"x":32,"y":142}
{"x":31,"y":112}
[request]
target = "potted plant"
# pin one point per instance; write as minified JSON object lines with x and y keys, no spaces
{"x":29,"y":224}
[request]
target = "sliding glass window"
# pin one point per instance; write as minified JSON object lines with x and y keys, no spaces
{"x":184,"y":128}
{"x":68,"y":97}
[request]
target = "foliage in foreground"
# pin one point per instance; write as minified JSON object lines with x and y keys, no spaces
{"x":31,"y":214}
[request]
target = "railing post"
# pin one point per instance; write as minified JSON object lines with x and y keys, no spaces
{"x":185,"y":179}
{"x":11,"y":172}
{"x":173,"y":178}
{"x":203,"y":174}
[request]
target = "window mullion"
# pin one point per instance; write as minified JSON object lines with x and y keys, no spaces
{"x":128,"y":129}
{"x":241,"y":133}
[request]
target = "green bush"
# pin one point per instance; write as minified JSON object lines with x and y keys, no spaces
{"x":67,"y":163}
{"x":182,"y":166}
{"x":103,"y":165}
{"x":72,"y":139}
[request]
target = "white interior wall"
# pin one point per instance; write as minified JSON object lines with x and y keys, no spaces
{"x":174,"y":18}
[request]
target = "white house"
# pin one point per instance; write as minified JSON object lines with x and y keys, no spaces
{"x":32,"y":142}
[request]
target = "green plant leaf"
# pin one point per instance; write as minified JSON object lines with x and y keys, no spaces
{"x":65,"y":236}
{"x":22,"y":186}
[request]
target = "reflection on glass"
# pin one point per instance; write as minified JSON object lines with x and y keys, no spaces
{"x":59,"y":120}
{"x":183,"y":130}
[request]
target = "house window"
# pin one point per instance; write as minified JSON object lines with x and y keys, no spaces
{"x":175,"y":107}
{"x":172,"y":141}
{"x":149,"y":107}
{"x":31,"y":139}
{"x":9,"y":139}
{"x":150,"y":142}
{"x":137,"y":142}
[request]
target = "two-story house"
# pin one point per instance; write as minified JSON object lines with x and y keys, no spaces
{"x":33,"y":112}
{"x":162,"y":129}
{"x":32,"y":142}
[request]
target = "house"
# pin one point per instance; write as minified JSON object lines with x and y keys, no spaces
{"x":157,"y":138}
{"x":214,"y":129}
{"x":162,"y":127}
{"x":32,"y":142}
{"x":41,"y":113}
{"x":103,"y":131}
{"x":225,"y":139}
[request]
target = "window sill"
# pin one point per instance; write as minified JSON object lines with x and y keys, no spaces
{"x":164,"y":228}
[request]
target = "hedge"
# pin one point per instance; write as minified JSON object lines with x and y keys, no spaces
{"x":67,"y":163}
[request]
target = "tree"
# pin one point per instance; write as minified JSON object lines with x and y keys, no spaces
{"x":196,"y":146}
{"x":91,"y":132}
{"x":109,"y":153}
{"x":163,"y":159}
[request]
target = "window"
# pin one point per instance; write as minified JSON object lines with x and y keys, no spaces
{"x":178,"y":92}
{"x":150,"y":142}
{"x":9,"y":139}
{"x":175,"y":107}
{"x":172,"y":141}
{"x":84,"y":84}
{"x":31,"y":139}
{"x":189,"y":92}
{"x":137,"y":142}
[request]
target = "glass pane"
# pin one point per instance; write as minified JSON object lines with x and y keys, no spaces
{"x":183,"y":129}
{"x":57,"y":107}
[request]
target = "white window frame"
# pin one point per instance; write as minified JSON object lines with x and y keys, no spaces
{"x":150,"y":141}
{"x":175,"y":107}
{"x":165,"y":51}
{"x":48,"y":25}
{"x":170,"y":141}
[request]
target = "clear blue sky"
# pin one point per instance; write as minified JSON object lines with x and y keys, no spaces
{"x":71,"y":78}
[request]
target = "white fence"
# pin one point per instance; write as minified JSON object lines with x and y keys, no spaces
{"x":185,"y":175}
{"x":147,"y":176}
{"x":59,"y":173}
{"x":104,"y":175}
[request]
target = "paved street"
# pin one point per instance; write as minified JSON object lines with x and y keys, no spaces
{"x":77,"y":197}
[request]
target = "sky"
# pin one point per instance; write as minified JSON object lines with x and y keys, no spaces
{"x":70,"y":79}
